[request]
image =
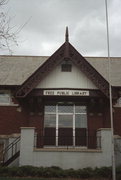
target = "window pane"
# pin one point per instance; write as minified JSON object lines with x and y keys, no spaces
{"x":50,"y":108}
{"x":4,"y":98}
{"x":119,"y":101}
{"x":80,"y":109}
{"x":80,"y":120}
{"x":66,"y":67}
{"x":50,"y":120}
{"x":65,"y":109}
{"x":65,"y":121}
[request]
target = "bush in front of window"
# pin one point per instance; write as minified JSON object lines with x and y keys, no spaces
{"x":56,"y":172}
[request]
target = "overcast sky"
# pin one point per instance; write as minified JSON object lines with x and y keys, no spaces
{"x":47,"y":20}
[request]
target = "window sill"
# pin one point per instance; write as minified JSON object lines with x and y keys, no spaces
{"x":66,"y":150}
{"x":16,"y":105}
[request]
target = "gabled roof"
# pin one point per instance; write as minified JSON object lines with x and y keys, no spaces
{"x":101,"y":64}
{"x":65,"y":52}
{"x":27,"y":71}
{"x":15,"y":70}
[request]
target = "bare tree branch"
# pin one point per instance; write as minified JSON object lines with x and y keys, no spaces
{"x":3,"y":2}
{"x":8,"y":33}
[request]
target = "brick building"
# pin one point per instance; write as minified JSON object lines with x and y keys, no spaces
{"x":64,"y":96}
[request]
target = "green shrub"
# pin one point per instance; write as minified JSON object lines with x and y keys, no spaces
{"x":70,"y":173}
{"x":28,"y":171}
{"x":56,"y":172}
{"x":105,"y":172}
{"x":56,"y":167}
{"x":85,"y":173}
{"x":53,"y":172}
{"x":118,"y":170}
{"x":13,"y":171}
{"x":118,"y":173}
{"x":4,"y":171}
{"x":39,"y":171}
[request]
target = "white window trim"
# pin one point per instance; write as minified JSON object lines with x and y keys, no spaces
{"x":74,"y":125}
{"x":9,"y":103}
{"x":5,"y":95}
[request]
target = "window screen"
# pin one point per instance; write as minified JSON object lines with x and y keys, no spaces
{"x":65,"y":109}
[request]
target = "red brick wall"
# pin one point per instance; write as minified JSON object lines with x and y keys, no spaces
{"x":36,"y":121}
{"x":106,"y":120}
{"x":11,"y":120}
{"x":117,"y":121}
{"x":97,"y":115}
{"x":95,"y":122}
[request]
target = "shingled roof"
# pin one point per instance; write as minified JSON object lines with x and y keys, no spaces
{"x":15,"y":70}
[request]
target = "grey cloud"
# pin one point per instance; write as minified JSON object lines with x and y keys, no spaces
{"x":86,"y":20}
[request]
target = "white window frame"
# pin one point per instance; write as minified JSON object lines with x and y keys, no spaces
{"x":5,"y":94}
{"x":57,"y":121}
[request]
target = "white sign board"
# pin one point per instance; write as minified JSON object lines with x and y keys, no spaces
{"x":65,"y":93}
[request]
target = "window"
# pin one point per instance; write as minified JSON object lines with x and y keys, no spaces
{"x":50,"y":120}
{"x":4,"y":98}
{"x":80,"y":117}
{"x":66,"y":67}
{"x":67,"y":122}
{"x":119,"y":101}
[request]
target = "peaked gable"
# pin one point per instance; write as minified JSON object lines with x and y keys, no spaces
{"x":40,"y":73}
{"x":59,"y":79}
{"x":65,"y":52}
{"x":89,"y":70}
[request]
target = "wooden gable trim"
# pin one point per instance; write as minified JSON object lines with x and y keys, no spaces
{"x":41,"y":72}
{"x":89,"y":70}
{"x":66,"y":51}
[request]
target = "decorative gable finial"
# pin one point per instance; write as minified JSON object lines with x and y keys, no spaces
{"x":67,"y":35}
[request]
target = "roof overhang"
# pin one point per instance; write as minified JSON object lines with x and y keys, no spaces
{"x":65,"y":51}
